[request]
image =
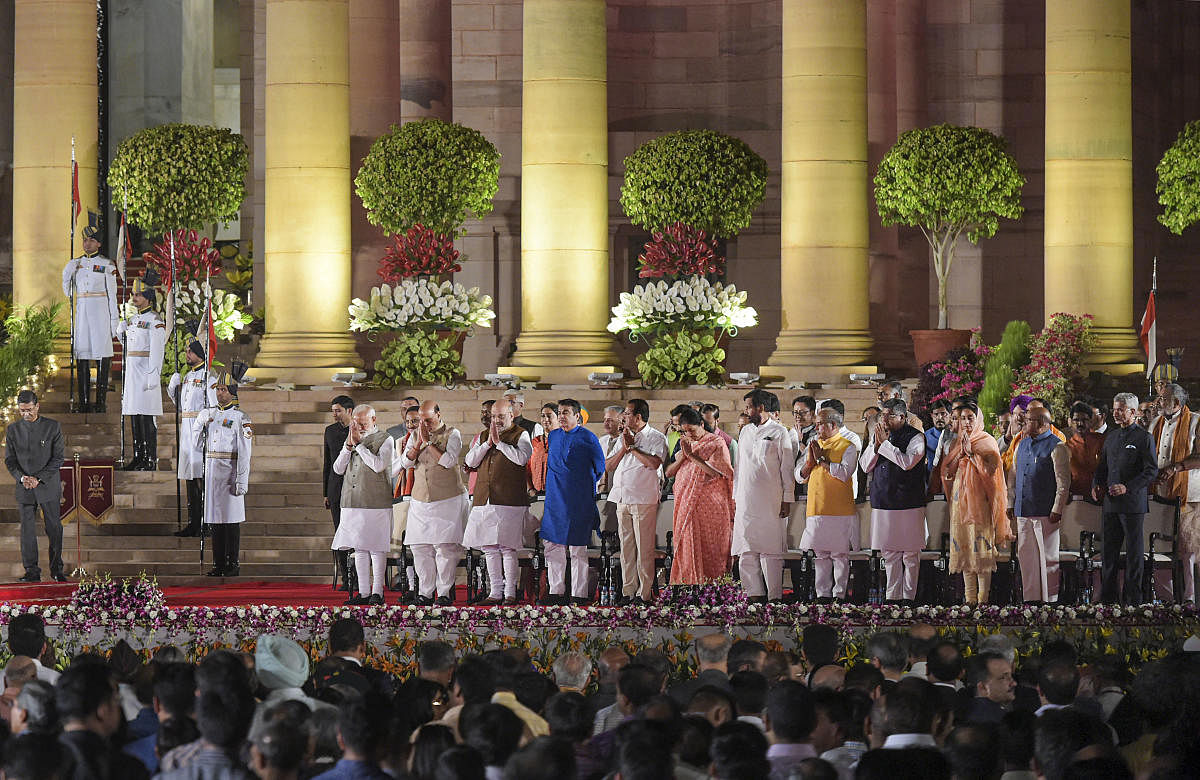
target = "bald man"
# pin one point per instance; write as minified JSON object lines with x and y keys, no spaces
{"x":1038,"y":492}
{"x":501,"y":502}
{"x":438,"y":509}
{"x":365,"y":525}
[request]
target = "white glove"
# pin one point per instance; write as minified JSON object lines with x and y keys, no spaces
{"x":239,"y":489}
{"x":203,"y":418}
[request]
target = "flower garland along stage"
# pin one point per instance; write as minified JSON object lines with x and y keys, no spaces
{"x":103,"y":611}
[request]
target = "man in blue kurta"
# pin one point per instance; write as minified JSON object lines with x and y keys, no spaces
{"x":575,"y":464}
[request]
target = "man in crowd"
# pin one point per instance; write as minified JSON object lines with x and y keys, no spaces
{"x":1177,"y":443}
{"x":500,"y":502}
{"x":1123,"y":475}
{"x":33,"y":454}
{"x":225,"y":436}
{"x":438,"y":508}
{"x":1038,"y":494}
{"x":829,"y":465}
{"x":87,"y":701}
{"x":1085,"y":445}
{"x":763,"y":490}
{"x":342,"y":409}
{"x":27,"y":637}
{"x":485,"y":422}
{"x":1146,"y":412}
{"x":141,"y":396}
{"x":191,"y":394}
{"x":635,"y":490}
{"x":712,"y":652}
{"x":404,"y":478}
{"x":803,"y":430}
{"x":517,"y":399}
{"x":895,"y":460}
{"x":90,"y":282}
{"x":610,"y":443}
{"x":940,"y":413}
{"x":345,"y":663}
{"x":575,"y":464}
{"x":366,"y":503}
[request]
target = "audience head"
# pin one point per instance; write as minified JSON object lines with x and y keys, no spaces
{"x":175,"y":689}
{"x":636,"y":684}
{"x":569,"y":716}
{"x":27,"y":635}
{"x":908,"y":708}
{"x":1060,"y":734}
{"x":643,"y":751}
{"x":492,"y":729}
{"x":474,"y":681}
{"x":435,"y":661}
{"x":746,"y":655}
{"x":944,"y":663}
{"x":790,"y":712}
{"x":545,"y":758}
{"x":429,"y":742}
{"x":35,"y":710}
{"x":831,"y":677}
{"x":819,"y":644}
{"x":990,"y":676}
{"x":34,"y":756}
{"x":277,"y":746}
{"x":739,"y":752}
{"x":695,"y":737}
{"x":803,"y":409}
{"x":572,"y":671}
{"x":346,"y":637}
{"x":886,"y":651}
{"x":86,"y":698}
{"x":712,"y":703}
{"x":224,"y":715}
{"x":832,"y":710}
{"x":1058,"y":682}
{"x":974,"y":752}
{"x":864,"y":677}
{"x":712,"y":651}
{"x":749,"y":691}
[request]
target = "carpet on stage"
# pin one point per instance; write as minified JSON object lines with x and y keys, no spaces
{"x":217,"y":594}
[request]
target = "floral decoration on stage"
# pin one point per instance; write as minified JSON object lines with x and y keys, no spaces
{"x":421,"y":303}
{"x":419,"y":251}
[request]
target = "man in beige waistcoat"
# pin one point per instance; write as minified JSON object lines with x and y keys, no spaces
{"x":366,"y":522}
{"x":438,"y":508}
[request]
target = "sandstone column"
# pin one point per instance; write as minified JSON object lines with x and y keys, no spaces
{"x":825,"y":333}
{"x":425,"y":75}
{"x":54,"y":98}
{"x":307,"y":219}
{"x":564,"y":192}
{"x":1089,"y":173}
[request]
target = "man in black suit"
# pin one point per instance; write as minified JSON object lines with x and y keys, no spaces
{"x":342,"y":408}
{"x":33,"y":456}
{"x":1126,"y":468}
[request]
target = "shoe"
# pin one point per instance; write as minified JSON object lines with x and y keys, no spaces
{"x":511,"y":602}
{"x":553,"y":600}
{"x":581,"y":601}
{"x":375,"y":599}
{"x":625,"y":601}
{"x":490,"y":601}
{"x":190,"y":531}
{"x":30,"y":578}
{"x":422,"y":601}
{"x":215,"y":571}
{"x":757,"y":600}
{"x":356,"y":600}
{"x":58,"y":576}
{"x":444,"y":601}
{"x":233,"y":571}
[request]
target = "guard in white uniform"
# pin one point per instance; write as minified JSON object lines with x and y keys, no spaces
{"x":366,"y":523}
{"x":224,"y":436}
{"x":92,"y":281}
{"x":196,"y":391}
{"x":141,"y":398}
{"x":501,"y":502}
{"x":438,"y":510}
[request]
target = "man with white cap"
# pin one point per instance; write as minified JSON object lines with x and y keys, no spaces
{"x":224,"y":435}
{"x":91,"y":282}
{"x":281,"y":665}
{"x":141,"y":395}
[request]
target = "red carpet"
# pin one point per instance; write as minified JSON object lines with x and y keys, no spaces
{"x":215,"y":595}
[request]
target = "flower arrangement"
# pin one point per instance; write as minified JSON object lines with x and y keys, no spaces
{"x":422,"y":303}
{"x":418,"y":358}
{"x":681,"y":357}
{"x":1056,"y":361}
{"x":195,"y":256}
{"x":227,"y":313}
{"x":681,"y":250}
{"x":961,"y":372}
{"x":694,"y":303}
{"x":419,"y":251}
{"x":124,"y":596}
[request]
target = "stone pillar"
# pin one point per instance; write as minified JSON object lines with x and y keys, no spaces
{"x":825,"y":333}
{"x":1089,"y":174}
{"x":425,"y":75}
{"x":307,"y":216}
{"x":564,"y":193}
{"x":54,"y":98}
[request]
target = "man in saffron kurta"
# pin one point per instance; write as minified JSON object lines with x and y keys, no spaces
{"x":763,"y":490}
{"x":1175,"y":438}
{"x":1085,"y":445}
{"x":829,"y":467}
{"x":574,"y":465}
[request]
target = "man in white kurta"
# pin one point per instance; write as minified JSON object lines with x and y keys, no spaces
{"x":141,"y":396}
{"x":1176,"y":433}
{"x":91,"y":280}
{"x":763,"y":489}
{"x":196,"y":391}
{"x":635,"y":466}
{"x":366,"y":522}
{"x":829,"y":466}
{"x":501,"y":502}
{"x":438,"y":509}
{"x":225,"y":436}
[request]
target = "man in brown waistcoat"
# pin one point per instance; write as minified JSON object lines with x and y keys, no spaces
{"x":497,"y":518}
{"x":438,"y":507}
{"x":366,"y":523}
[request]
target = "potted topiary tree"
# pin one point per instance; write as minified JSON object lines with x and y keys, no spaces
{"x":947,"y":180}
{"x":1178,"y":185}
{"x":419,"y":183}
{"x":689,"y":189}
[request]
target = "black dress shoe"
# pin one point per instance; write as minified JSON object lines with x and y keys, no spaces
{"x":58,"y":576}
{"x":375,"y":599}
{"x":356,"y":600}
{"x":553,"y":600}
{"x":232,"y":571}
{"x":215,"y":571}
{"x":191,"y":530}
{"x":581,"y":601}
{"x":512,"y":602}
{"x":31,"y":578}
{"x":422,"y":601}
{"x":444,"y":601}
{"x":489,"y":602}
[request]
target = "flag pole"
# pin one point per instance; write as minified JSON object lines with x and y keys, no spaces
{"x":1152,"y":360}
{"x":73,"y":402}
{"x":121,"y":312}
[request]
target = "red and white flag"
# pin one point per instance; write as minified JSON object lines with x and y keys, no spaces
{"x":1148,"y":333}
{"x":76,"y":204}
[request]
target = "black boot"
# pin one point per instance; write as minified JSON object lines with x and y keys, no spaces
{"x":195,"y":506}
{"x":218,"y":550}
{"x":150,"y":443}
{"x":233,"y":545}
{"x":135,"y":429}
{"x":83,"y":381}
{"x":101,"y":406}
{"x":339,"y":565}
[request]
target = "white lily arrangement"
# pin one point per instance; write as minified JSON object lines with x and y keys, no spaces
{"x":228,"y":314}
{"x":692,"y":302}
{"x":421,"y":301}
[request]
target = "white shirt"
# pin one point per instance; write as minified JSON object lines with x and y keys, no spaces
{"x":901,"y":741}
{"x":913,"y":454}
{"x":856,"y":440}
{"x":633,"y":482}
{"x":1165,"y":445}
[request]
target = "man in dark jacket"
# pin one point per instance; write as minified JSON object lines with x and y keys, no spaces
{"x":1123,"y":475}
{"x":33,"y":456}
{"x":87,"y":700}
{"x":342,"y":408}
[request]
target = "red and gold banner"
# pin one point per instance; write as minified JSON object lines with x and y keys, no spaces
{"x":66,"y":473}
{"x":88,"y":491}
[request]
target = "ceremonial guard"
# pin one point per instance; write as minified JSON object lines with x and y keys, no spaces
{"x":193,"y":393}
{"x":365,"y":462}
{"x":438,"y":508}
{"x":141,"y":399}
{"x":224,"y":436}
{"x":500,"y":502}
{"x":91,"y":281}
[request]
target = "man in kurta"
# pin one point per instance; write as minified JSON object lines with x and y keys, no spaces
{"x":1085,"y":445}
{"x":500,"y":501}
{"x":366,"y":505}
{"x":829,"y":466}
{"x":895,"y":460}
{"x":635,"y":488}
{"x":196,"y":391}
{"x":91,"y":281}
{"x":1175,"y":434}
{"x":438,"y":509}
{"x":224,"y":436}
{"x":141,"y":396}
{"x":403,"y":480}
{"x":574,"y":465}
{"x":33,"y":453}
{"x":1038,"y":494}
{"x":763,"y":489}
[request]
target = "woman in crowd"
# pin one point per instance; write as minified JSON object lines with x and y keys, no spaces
{"x":541,"y":450}
{"x":703,"y":503}
{"x":978,"y":516}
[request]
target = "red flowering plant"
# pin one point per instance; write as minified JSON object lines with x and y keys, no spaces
{"x":1056,"y":361}
{"x":680,"y":250}
{"x":196,"y":258}
{"x":419,"y":251}
{"x":961,"y":373}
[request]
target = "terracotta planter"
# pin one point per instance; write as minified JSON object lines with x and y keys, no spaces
{"x":931,"y":345}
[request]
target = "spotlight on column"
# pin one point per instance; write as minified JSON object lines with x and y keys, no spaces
{"x":348,"y":378}
{"x":866,"y":379}
{"x":744,"y":378}
{"x":602,"y":381}
{"x":503,"y":380}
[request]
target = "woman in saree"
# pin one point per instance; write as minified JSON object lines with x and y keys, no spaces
{"x":703,"y":503}
{"x":978,"y":506}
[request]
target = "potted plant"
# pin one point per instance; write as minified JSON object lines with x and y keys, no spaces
{"x":947,"y":181}
{"x":1178,"y":174}
{"x":690,"y":189}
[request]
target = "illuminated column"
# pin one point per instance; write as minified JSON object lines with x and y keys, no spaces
{"x":54,"y":98}
{"x":825,"y":329}
{"x":564,"y":192}
{"x":1089,"y":174}
{"x":307,"y":219}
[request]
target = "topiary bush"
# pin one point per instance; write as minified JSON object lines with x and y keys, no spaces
{"x":1178,"y":186}
{"x":1001,"y":370}
{"x":707,"y":180}
{"x":418,"y":358}
{"x":428,"y":172}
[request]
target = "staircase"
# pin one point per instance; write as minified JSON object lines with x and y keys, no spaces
{"x":287,"y":531}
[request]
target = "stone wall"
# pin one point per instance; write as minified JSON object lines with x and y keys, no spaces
{"x":6,"y":144}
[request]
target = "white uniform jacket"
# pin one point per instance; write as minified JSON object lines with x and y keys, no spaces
{"x":145,"y":341}
{"x":189,"y":395}
{"x":225,"y":436}
{"x":93,"y":282}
